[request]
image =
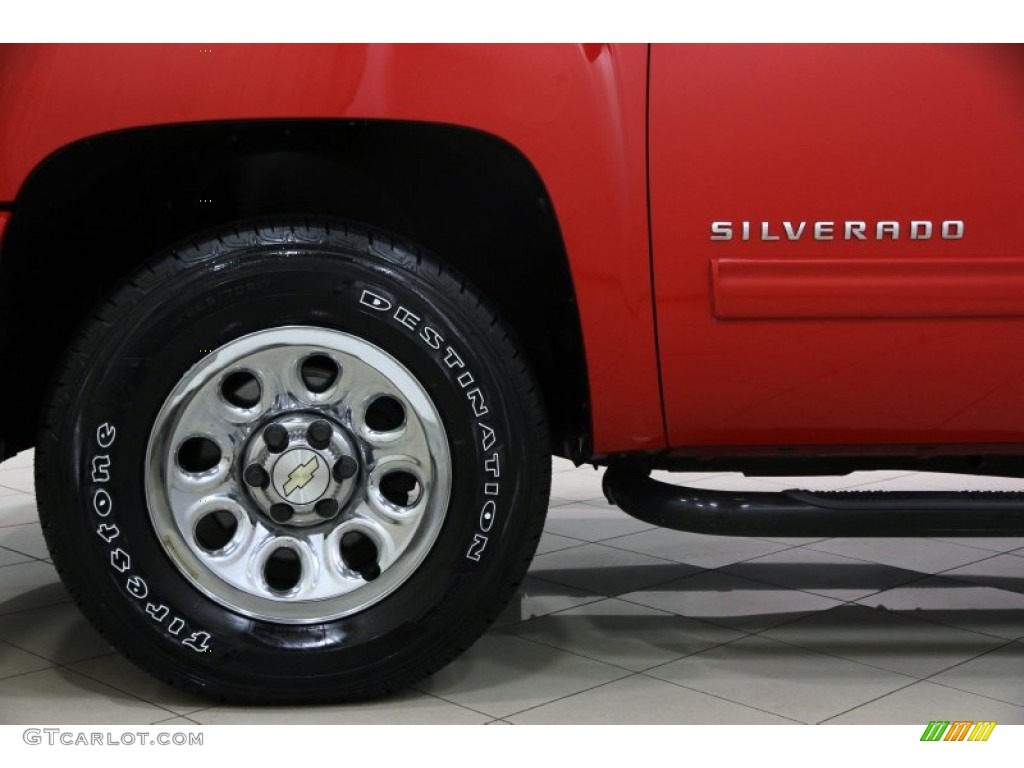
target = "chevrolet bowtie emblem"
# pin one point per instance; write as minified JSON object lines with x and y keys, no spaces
{"x":300,"y":476}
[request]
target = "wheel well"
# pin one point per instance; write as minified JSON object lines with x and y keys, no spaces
{"x":95,"y":210}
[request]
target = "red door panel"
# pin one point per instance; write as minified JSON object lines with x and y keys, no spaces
{"x":854,"y":331}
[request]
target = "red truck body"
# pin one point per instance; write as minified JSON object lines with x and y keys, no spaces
{"x":801,"y":259}
{"x":913,"y":348}
{"x":577,"y":113}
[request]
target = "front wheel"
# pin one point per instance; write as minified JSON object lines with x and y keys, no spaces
{"x":293,"y":462}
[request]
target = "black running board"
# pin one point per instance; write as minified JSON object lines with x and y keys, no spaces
{"x":814,"y":513}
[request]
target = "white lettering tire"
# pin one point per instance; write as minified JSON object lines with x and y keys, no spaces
{"x":293,"y":462}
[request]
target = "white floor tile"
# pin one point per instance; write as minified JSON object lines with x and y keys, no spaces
{"x":921,"y":555}
{"x":583,"y":483}
{"x":407,"y":708}
{"x":10,"y":557}
{"x":943,"y":481}
{"x":999,"y":674}
{"x":1001,"y":572}
{"x":59,"y":633}
{"x":557,"y":668}
{"x":558,"y":464}
{"x":14,"y":661}
{"x":18,"y":479}
{"x":502,"y":675}
{"x":995,"y":544}
{"x":606,"y":571}
{"x":640,"y":700}
{"x":923,"y":702}
{"x":19,"y":461}
{"x":29,"y":585}
{"x":557,"y":501}
{"x":17,"y":508}
{"x":892,"y":641}
{"x":537,"y":597}
{"x":836,"y":482}
{"x":734,"y":481}
{"x":117,"y":672}
{"x":781,"y":679}
{"x":741,"y":604}
{"x":792,"y":541}
{"x":592,"y":523}
{"x":686,"y":478}
{"x":696,"y":549}
{"x":624,"y":634}
{"x":27,"y":539}
{"x":990,"y":611}
{"x":60,"y":696}
{"x":550,"y":542}
{"x":822,"y":573}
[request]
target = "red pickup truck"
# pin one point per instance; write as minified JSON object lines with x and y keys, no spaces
{"x":296,"y":330}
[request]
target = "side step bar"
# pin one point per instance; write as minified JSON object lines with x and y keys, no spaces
{"x":814,"y":513}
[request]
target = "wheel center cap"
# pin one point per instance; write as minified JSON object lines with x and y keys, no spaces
{"x":301,"y":476}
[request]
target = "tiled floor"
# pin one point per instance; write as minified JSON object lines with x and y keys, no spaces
{"x":619,"y":623}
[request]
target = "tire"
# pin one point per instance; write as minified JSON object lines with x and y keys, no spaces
{"x":293,"y":462}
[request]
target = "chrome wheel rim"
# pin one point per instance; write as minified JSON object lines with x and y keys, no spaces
{"x":298,"y":475}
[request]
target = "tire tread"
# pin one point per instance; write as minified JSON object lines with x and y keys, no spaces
{"x":484,"y":321}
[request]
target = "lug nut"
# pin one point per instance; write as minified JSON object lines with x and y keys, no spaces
{"x":276,"y":438}
{"x":256,"y":476}
{"x":344,"y":468}
{"x":327,"y":508}
{"x":319,"y":434}
{"x":281,"y":513}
